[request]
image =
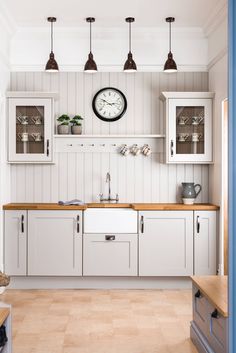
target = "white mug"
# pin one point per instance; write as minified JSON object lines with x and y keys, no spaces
{"x":24,"y":136}
{"x":135,"y":150}
{"x":196,"y":120}
{"x":37,"y":136}
{"x":182,"y":137}
{"x":196,"y":137}
{"x":37,"y":120}
{"x":23,"y":119}
{"x":125,"y":150}
{"x":183,"y":120}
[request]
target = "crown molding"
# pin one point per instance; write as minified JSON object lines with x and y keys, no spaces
{"x":218,"y":15}
{"x":108,"y":68}
{"x":217,"y":58}
{"x":6,"y":19}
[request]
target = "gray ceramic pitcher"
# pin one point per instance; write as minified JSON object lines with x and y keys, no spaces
{"x":189,"y":190}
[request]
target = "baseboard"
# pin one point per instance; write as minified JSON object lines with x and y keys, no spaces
{"x":33,"y":282}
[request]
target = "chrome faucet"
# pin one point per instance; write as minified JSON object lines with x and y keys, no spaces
{"x":109,"y":199}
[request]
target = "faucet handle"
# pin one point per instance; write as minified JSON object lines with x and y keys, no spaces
{"x":101,"y":197}
{"x":117,"y":198}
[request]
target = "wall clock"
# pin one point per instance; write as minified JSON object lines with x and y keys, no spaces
{"x":109,"y":104}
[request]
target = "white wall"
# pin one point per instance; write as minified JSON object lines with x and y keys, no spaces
{"x":5,"y":34}
{"x":218,"y":83}
{"x":82,"y":175}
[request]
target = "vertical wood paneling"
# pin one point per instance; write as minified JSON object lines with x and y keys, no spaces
{"x":82,"y":175}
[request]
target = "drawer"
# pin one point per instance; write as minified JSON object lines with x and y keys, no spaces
{"x":110,"y":254}
{"x":200,"y":313}
{"x":217,"y":330}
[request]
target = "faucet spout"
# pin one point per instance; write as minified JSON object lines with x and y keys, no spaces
{"x":109,"y":198}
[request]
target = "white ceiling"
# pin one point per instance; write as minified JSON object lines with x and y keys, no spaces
{"x":188,"y":13}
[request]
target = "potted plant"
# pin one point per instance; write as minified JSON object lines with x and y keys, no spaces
{"x":63,"y":128}
{"x":76,"y":127}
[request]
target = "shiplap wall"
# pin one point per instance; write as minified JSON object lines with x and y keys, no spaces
{"x":82,"y":175}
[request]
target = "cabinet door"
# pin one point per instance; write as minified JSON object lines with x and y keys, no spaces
{"x":110,"y":255}
{"x":55,"y":243}
{"x":189,"y":131}
{"x":15,"y":242}
{"x":166,"y":243}
{"x":205,"y":235}
{"x":30,"y":129}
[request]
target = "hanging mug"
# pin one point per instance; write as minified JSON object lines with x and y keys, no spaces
{"x":24,"y":136}
{"x":37,"y":120}
{"x":23,"y":119}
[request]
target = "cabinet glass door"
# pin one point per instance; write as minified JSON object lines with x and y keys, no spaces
{"x":29,"y":130}
{"x":190,"y":130}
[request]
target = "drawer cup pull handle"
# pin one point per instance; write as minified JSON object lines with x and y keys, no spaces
{"x":110,"y":237}
{"x":198,"y":294}
{"x":215,"y":314}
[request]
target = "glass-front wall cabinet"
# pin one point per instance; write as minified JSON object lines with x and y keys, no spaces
{"x":30,"y":130}
{"x":189,"y":130}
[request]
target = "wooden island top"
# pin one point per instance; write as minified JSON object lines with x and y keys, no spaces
{"x":4,"y":312}
{"x":215,"y":289}
{"x":134,"y":206}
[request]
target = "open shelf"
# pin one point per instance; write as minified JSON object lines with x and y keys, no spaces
{"x":109,"y":136}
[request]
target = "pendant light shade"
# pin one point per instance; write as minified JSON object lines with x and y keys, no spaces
{"x":130,"y":65}
{"x":51,"y":65}
{"x":90,"y":65}
{"x":170,"y":64}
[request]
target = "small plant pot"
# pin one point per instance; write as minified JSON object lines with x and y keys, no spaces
{"x":76,"y":129}
{"x":63,"y":129}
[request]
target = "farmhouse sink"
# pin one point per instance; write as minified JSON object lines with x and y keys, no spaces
{"x":110,"y":220}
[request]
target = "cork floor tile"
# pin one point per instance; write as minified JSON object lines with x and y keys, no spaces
{"x":101,"y":321}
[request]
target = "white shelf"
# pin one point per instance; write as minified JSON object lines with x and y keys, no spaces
{"x":109,"y":136}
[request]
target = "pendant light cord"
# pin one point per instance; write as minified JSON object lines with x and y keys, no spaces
{"x":90,"y":36}
{"x":130,"y":37}
{"x":51,"y":37}
{"x":170,"y":37}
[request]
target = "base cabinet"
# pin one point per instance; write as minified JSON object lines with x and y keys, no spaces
{"x":205,"y":240}
{"x":166,"y":243}
{"x":55,"y":243}
{"x":15,"y":243}
{"x":110,"y":255}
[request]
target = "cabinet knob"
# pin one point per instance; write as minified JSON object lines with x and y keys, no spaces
{"x":198,"y":294}
{"x":110,"y":237}
{"x":215,"y":314}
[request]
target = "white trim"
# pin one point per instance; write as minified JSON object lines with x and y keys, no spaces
{"x":187,"y":95}
{"x":218,"y":15}
{"x":31,"y":94}
{"x":217,"y":58}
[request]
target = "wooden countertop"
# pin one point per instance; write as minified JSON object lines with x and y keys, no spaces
{"x":173,"y":206}
{"x":215,"y":288}
{"x":135,"y":206}
{"x":4,"y":312}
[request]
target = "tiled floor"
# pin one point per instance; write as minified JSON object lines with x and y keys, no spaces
{"x":100,"y":321}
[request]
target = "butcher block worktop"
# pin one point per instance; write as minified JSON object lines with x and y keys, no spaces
{"x":215,"y":289}
{"x":4,"y":312}
{"x":135,"y":206}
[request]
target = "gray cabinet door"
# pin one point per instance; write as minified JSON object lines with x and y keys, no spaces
{"x":166,"y":243}
{"x":55,"y":243}
{"x":15,"y":242}
{"x":205,"y":238}
{"x":110,"y":255}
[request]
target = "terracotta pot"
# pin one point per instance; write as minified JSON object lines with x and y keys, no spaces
{"x":76,"y":129}
{"x":63,"y":129}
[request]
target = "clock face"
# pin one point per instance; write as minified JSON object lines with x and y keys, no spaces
{"x":109,"y":104}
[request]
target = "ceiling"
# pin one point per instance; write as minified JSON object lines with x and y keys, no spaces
{"x":188,"y":13}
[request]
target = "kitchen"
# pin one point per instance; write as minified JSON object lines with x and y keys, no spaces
{"x":123,"y":143}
